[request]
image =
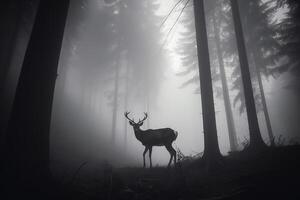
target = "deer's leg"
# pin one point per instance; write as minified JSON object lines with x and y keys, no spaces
{"x":150,"y":154}
{"x":169,"y":148}
{"x":145,"y":151}
{"x":174,"y":154}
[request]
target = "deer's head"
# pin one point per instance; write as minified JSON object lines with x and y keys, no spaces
{"x":136,"y":126}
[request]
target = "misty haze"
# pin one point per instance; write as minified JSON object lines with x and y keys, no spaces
{"x":150,"y":99}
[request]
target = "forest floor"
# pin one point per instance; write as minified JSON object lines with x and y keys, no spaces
{"x":272,"y":174}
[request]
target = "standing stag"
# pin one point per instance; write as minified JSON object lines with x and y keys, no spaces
{"x":154,"y":137}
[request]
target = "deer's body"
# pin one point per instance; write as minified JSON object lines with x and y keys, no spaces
{"x":154,"y":137}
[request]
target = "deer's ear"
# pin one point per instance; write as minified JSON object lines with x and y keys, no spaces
{"x":141,"y":124}
{"x":131,"y":123}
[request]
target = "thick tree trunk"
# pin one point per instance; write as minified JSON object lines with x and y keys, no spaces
{"x":256,"y":141}
{"x":227,"y":104}
{"x":11,"y":17}
{"x":211,"y":147}
{"x":263,"y":98}
{"x":27,"y":141}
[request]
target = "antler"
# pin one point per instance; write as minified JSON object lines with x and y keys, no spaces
{"x":126,"y":115}
{"x":145,"y":117}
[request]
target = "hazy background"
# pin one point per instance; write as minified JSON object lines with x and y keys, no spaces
{"x":82,"y":116}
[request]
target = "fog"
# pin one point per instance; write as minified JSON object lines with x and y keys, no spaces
{"x":114,"y":55}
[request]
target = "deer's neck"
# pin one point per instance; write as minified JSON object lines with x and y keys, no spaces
{"x":138,"y":134}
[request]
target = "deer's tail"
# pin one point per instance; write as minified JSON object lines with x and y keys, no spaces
{"x":176,"y":134}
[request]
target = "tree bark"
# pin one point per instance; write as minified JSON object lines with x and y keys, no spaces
{"x":27,"y":141}
{"x":211,"y":147}
{"x":256,"y":141}
{"x":227,"y":104}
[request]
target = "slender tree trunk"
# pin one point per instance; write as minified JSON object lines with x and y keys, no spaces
{"x":211,"y":147}
{"x":148,"y":102}
{"x":147,"y":79}
{"x":115,"y":100}
{"x":256,"y":140}
{"x":27,"y":142}
{"x":126,"y":105}
{"x":263,"y":98}
{"x":227,"y":104}
{"x":255,"y":58}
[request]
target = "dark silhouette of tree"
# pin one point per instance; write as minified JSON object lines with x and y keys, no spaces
{"x":228,"y":110}
{"x":187,"y":50}
{"x":27,"y":141}
{"x":263,"y":100}
{"x":263,"y":51}
{"x":16,"y":21}
{"x":211,"y":148}
{"x":256,"y":141}
{"x":11,"y":17}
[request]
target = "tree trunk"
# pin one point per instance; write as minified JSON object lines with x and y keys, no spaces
{"x":11,"y":17}
{"x":115,"y":100}
{"x":148,"y":101}
{"x":256,"y":141}
{"x":211,"y":147}
{"x":263,"y":98}
{"x":227,"y":104}
{"x":147,"y":79}
{"x":27,"y":141}
{"x":126,"y":105}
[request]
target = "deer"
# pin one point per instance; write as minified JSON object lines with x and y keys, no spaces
{"x":154,"y":137}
